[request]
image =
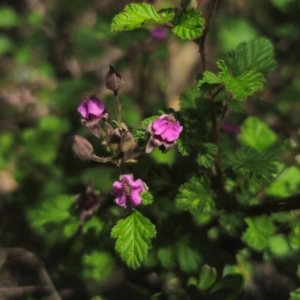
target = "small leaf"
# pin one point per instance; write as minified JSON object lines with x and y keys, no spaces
{"x":133,"y":236}
{"x":207,"y":278}
{"x":93,"y":224}
{"x":195,"y":196}
{"x":135,"y":15}
{"x":188,"y":24}
{"x":256,"y":134}
{"x":147,"y":198}
{"x":258,"y":233}
{"x":208,"y":81}
{"x":256,"y":55}
{"x":8,"y":17}
{"x":139,"y":134}
{"x":206,"y":157}
{"x":167,"y":257}
{"x":295,"y":295}
{"x":243,"y":85}
{"x":232,"y":281}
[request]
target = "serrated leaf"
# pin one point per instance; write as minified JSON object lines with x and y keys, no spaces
{"x":133,"y":236}
{"x":189,"y":259}
{"x":207,"y":81}
{"x":242,"y":86}
{"x":51,"y":211}
{"x":140,"y":132}
{"x":195,"y":196}
{"x":248,"y":163}
{"x":71,"y":227}
{"x":188,"y":24}
{"x":93,"y":224}
{"x":188,"y":99}
{"x":258,"y":233}
{"x":147,"y":198}
{"x":166,"y":14}
{"x":207,"y":278}
{"x":256,"y":134}
{"x":207,"y":155}
{"x":185,"y":151}
{"x":256,"y":55}
{"x":233,"y":281}
{"x":135,"y":15}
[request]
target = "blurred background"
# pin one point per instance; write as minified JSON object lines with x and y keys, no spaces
{"x":54,"y":53}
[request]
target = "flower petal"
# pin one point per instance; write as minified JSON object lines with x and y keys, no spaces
{"x":172,"y":133}
{"x":135,"y":198}
{"x":83,"y":109}
{"x":96,"y":107}
{"x":121,"y":201}
{"x":117,"y":187}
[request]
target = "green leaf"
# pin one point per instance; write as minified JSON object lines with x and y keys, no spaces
{"x":147,"y":198}
{"x":139,"y":134}
{"x":51,"y":211}
{"x":8,"y":17}
{"x":167,"y":257}
{"x":98,"y":265}
{"x":258,"y":233}
{"x":258,"y":166}
{"x":6,"y":44}
{"x":256,"y":55}
{"x":207,"y":81}
{"x":243,"y":85}
{"x":207,"y":278}
{"x":166,"y":15}
{"x":93,"y":224}
{"x":233,"y":223}
{"x":207,"y":157}
{"x":135,"y":15}
{"x":71,"y":227}
{"x":195,"y":196}
{"x":188,"y":24}
{"x":233,"y":281}
{"x":256,"y":134}
{"x":189,"y":259}
{"x":188,"y":99}
{"x":295,"y":295}
{"x":133,"y":236}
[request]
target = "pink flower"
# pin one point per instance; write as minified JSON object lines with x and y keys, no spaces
{"x":91,"y":108}
{"x":158,"y":33}
{"x":128,"y":191}
{"x":165,"y":130}
{"x":231,"y":128}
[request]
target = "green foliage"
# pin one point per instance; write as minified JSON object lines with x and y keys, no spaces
{"x":258,"y":233}
{"x":196,"y":196}
{"x":6,"y":45}
{"x":167,"y":257}
{"x":233,"y":223}
{"x":250,"y":164}
{"x":207,"y":81}
{"x":98,"y":265}
{"x":188,"y":24}
{"x":94,"y":224}
{"x":135,"y":15}
{"x":207,"y":278}
{"x":232,"y":282}
{"x":254,"y":56}
{"x":147,"y":198}
{"x":189,"y":259}
{"x":256,"y":134}
{"x":140,"y":133}
{"x":133,"y":236}
{"x":207,"y":156}
{"x":8,"y":17}
{"x":295,"y":295}
{"x":243,"y":85}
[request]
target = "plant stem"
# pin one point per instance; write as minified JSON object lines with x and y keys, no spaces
{"x":201,"y":41}
{"x":117,"y":104}
{"x":101,"y":159}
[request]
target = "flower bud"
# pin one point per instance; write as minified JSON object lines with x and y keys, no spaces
{"x":113,"y":79}
{"x":82,"y":148}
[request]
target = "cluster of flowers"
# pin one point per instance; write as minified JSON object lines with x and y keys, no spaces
{"x":165,"y":131}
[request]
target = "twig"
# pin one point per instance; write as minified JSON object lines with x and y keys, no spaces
{"x":117,"y":104}
{"x":201,"y":41}
{"x":101,"y":159}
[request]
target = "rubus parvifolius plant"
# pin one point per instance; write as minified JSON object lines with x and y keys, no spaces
{"x":226,"y":174}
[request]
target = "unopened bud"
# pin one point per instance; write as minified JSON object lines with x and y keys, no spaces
{"x":113,"y":79}
{"x":82,"y":148}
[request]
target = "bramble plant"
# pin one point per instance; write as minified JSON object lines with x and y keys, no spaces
{"x":172,"y":217}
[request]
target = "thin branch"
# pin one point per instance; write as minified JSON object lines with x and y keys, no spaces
{"x":101,"y":159}
{"x":201,"y":41}
{"x":117,"y":104}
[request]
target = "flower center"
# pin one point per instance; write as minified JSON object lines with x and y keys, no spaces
{"x":127,"y":189}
